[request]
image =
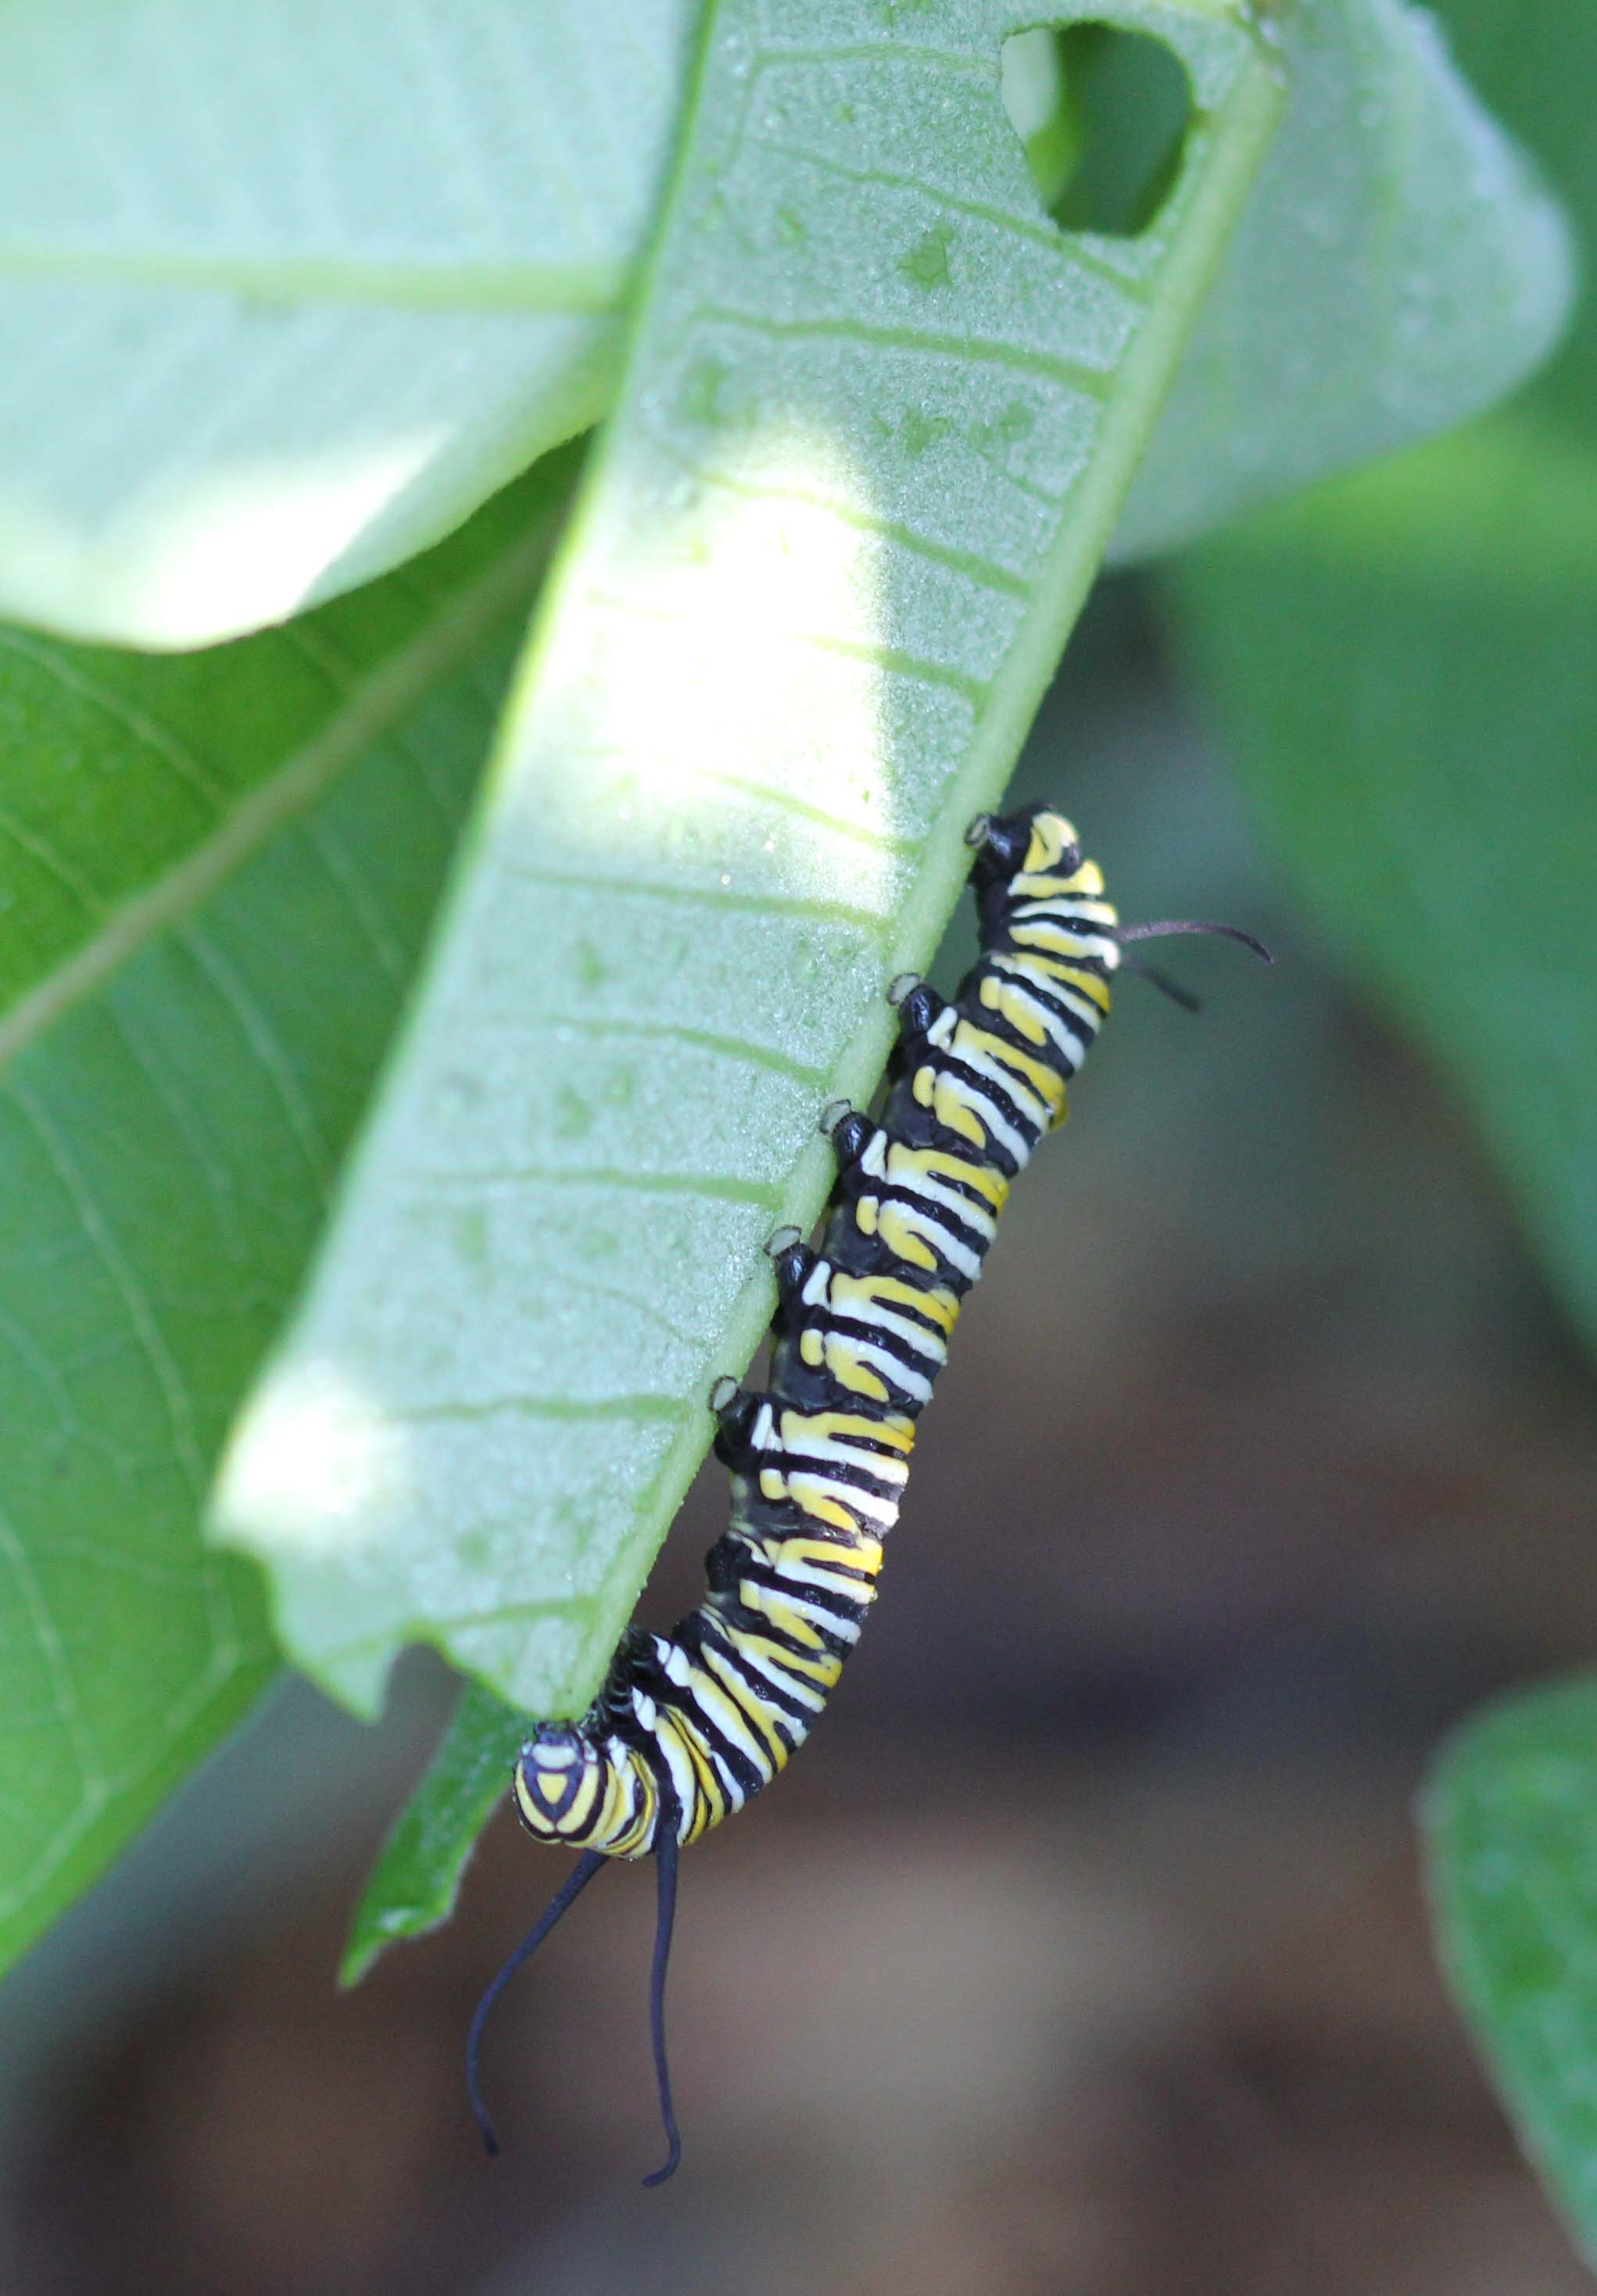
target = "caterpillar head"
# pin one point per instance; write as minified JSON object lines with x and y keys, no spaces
{"x":557,"y":1782}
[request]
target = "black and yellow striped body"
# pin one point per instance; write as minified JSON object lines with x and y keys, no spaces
{"x":689,"y":1726}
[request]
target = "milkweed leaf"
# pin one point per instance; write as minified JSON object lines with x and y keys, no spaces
{"x":219,"y":871}
{"x":1509,"y":1821}
{"x":1398,"y":268}
{"x":859,"y":480}
{"x":415,"y":1881}
{"x":288,"y":288}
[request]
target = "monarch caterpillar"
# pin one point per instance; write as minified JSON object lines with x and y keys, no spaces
{"x":688,"y":1726}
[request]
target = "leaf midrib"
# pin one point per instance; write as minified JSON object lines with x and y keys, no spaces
{"x":595,"y":290}
{"x":286,"y":795}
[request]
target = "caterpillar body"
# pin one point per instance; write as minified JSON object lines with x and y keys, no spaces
{"x":689,"y":1726}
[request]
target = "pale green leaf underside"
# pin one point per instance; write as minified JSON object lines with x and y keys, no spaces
{"x":1397,"y":269}
{"x":859,"y":480}
{"x":1510,"y":1818}
{"x":289,"y":287}
{"x":186,"y":1053}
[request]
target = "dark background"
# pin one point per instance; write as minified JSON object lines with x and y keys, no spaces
{"x":1083,"y":1950}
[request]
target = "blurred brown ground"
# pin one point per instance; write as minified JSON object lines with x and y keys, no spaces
{"x":1084,"y":1951}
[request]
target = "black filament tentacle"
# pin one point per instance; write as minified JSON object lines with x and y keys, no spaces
{"x":558,"y":1907}
{"x":665,"y":1859}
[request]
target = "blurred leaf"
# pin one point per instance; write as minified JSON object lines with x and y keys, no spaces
{"x":1405,"y":664}
{"x":1538,"y":67}
{"x":1404,"y":669}
{"x":858,"y":482}
{"x":1397,"y":268}
{"x":288,"y":287}
{"x":218,"y":872}
{"x":1510,"y":1816}
{"x":416,"y":1882}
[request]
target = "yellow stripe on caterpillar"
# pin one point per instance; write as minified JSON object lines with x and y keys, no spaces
{"x":1052,"y":838}
{"x":1087,"y":983}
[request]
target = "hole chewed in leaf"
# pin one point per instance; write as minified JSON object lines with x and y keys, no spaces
{"x":1102,"y":114}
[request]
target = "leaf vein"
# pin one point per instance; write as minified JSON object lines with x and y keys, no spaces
{"x":872,"y":334}
{"x":391,"y":690}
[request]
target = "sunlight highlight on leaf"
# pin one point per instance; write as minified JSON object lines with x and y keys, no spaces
{"x":753,"y":598}
{"x":331,"y":1464}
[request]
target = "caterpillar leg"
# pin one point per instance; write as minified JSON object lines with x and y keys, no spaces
{"x":736,"y":1410}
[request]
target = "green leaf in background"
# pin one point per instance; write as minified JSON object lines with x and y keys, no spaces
{"x":1398,"y":268}
{"x":289,"y":287}
{"x":217,"y":873}
{"x":861,"y":475}
{"x":1403,"y":665}
{"x":416,"y":1880}
{"x":1404,"y":669}
{"x":1508,"y":1816}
